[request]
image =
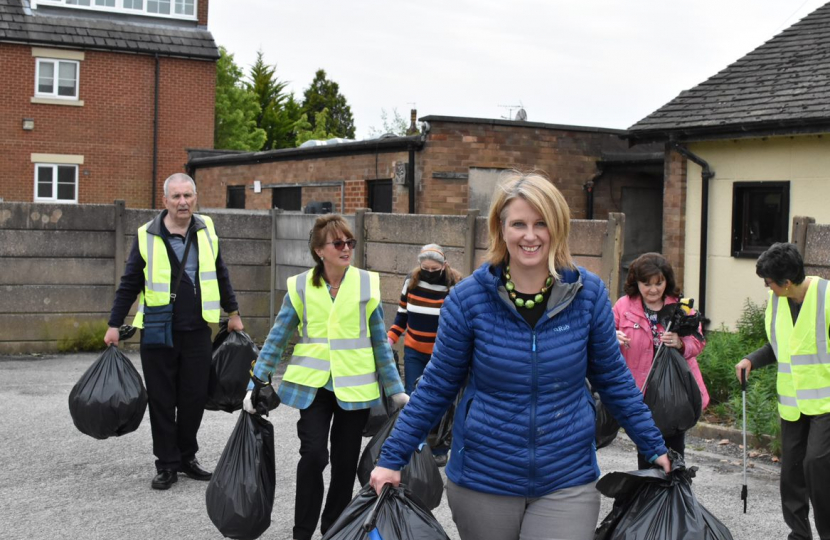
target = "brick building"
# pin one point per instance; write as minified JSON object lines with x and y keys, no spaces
{"x":83,"y":84}
{"x":456,"y":163}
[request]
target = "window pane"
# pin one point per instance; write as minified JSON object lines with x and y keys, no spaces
{"x":764,"y":219}
{"x":67,"y":82}
{"x":66,"y":182}
{"x":184,"y":7}
{"x":134,"y":4}
{"x":46,"y":77}
{"x":66,"y":192}
{"x":44,"y":182}
{"x":158,"y":6}
{"x":78,"y":2}
{"x":107,"y":3}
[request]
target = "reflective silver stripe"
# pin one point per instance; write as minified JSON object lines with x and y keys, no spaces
{"x":821,"y":356}
{"x":365,"y":296}
{"x":350,"y":344}
{"x":312,"y":340}
{"x":817,"y":393}
{"x":207,"y":275}
{"x":157,"y":287}
{"x":355,"y":380}
{"x":784,"y":368}
{"x":809,"y":359}
{"x":773,"y":338}
{"x":148,"y":283}
{"x":301,"y":279}
{"x":141,"y":307}
{"x":211,"y":305}
{"x":310,"y":363}
{"x":788,"y":401}
{"x":209,"y":239}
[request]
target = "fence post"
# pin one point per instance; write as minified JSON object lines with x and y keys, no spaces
{"x":120,"y":240}
{"x":470,"y":241}
{"x":272,"y":289}
{"x":800,"y":225}
{"x":612,"y":249}
{"x":361,"y":237}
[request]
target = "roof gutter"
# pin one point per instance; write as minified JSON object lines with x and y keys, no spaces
{"x":706,"y":174}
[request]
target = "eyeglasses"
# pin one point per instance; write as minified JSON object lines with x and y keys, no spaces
{"x":340,"y":245}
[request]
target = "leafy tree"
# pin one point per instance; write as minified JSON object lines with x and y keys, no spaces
{"x":319,"y":131}
{"x":325,"y":94}
{"x":397,"y":124}
{"x":236,"y":109}
{"x":278,"y":109}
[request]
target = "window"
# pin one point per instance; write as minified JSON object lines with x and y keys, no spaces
{"x":77,"y":2}
{"x":105,"y":3}
{"x":158,"y":6}
{"x":184,"y":7}
{"x":760,"y":216}
{"x":287,"y":198}
{"x":57,"y":78}
{"x":180,"y":9}
{"x":56,"y":183}
{"x":134,"y":4}
{"x":236,"y":197}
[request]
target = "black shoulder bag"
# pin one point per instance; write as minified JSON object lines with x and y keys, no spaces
{"x":158,"y":320}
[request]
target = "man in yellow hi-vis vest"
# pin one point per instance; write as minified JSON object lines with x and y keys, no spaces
{"x":177,"y":376}
{"x":797,"y":318}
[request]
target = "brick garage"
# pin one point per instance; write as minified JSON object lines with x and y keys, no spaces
{"x":451,"y":150}
{"x":113,"y":129}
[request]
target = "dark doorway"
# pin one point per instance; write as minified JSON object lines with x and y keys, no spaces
{"x":287,"y":198}
{"x":643,"y":209}
{"x":236,"y":197}
{"x":380,"y":195}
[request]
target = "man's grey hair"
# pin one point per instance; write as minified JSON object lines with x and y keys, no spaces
{"x":178,"y":177}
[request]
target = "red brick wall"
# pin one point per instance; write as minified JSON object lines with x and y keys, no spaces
{"x":202,"y":12}
{"x":114,"y":128}
{"x":674,"y":212}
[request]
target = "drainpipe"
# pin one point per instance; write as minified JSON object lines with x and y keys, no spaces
{"x":411,"y":174}
{"x":706,"y":174}
{"x":589,"y":194}
{"x":155,"y":137}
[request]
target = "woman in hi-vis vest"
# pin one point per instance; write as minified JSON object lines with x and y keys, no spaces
{"x":797,"y":318}
{"x":332,"y":376}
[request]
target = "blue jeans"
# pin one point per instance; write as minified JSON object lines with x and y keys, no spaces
{"x":414,"y":363}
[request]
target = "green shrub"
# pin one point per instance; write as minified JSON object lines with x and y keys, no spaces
{"x":89,"y":337}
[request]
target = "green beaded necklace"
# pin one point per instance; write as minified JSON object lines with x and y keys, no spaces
{"x":521,"y":302}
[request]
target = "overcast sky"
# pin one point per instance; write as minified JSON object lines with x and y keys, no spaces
{"x":603,"y":63}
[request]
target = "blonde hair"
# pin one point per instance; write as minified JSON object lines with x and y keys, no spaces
{"x":537,"y":189}
{"x":319,"y":235}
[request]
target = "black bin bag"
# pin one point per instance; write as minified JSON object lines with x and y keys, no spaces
{"x":421,"y":475}
{"x":395,"y":515}
{"x":240,"y":495}
{"x":607,"y":427}
{"x":651,"y":505}
{"x":441,"y":434}
{"x":380,"y":413}
{"x":672,"y":393}
{"x":109,"y":399}
{"x":230,"y":367}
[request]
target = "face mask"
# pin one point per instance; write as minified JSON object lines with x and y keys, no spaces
{"x":433,"y":277}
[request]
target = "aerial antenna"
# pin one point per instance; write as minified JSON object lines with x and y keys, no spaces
{"x":521,"y":115}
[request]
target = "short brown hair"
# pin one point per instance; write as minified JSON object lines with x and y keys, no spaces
{"x":319,"y":235}
{"x":645,"y":267}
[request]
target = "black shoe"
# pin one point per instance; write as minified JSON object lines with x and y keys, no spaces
{"x":164,"y":479}
{"x":192,"y":469}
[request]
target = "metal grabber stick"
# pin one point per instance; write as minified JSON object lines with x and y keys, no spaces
{"x":743,"y":392}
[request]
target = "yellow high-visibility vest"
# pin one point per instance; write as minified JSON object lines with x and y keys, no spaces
{"x":158,"y":273}
{"x":334,"y":335}
{"x":802,"y":353}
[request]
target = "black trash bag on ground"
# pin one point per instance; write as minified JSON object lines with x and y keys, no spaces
{"x":421,"y":475}
{"x":240,"y":495}
{"x":379,"y":414}
{"x":109,"y":399}
{"x":395,"y":515}
{"x":651,"y":505}
{"x":607,"y":427}
{"x":230,"y":369}
{"x":672,"y":393}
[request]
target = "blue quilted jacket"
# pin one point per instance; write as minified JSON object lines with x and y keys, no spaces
{"x":525,"y":425}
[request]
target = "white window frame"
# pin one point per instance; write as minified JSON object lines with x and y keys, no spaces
{"x":119,"y":8}
{"x":56,"y":84}
{"x":54,"y":197}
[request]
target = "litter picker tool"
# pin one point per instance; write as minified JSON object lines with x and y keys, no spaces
{"x":743,"y":393}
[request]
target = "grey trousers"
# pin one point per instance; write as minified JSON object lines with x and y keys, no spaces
{"x":567,"y":514}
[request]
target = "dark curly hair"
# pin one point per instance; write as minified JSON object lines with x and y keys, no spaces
{"x":780,"y":263}
{"x":645,"y":267}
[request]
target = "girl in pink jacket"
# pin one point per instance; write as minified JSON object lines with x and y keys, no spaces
{"x":650,"y":285}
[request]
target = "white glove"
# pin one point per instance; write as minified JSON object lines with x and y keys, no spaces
{"x":400,"y":399}
{"x":247,"y":406}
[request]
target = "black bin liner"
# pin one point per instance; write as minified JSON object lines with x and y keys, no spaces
{"x":672,"y":393}
{"x":109,"y":399}
{"x":651,"y":505}
{"x":230,"y":366}
{"x":607,"y":427}
{"x":380,"y":413}
{"x":395,"y":515}
{"x":240,"y":495}
{"x":421,"y":475}
{"x":441,"y":435}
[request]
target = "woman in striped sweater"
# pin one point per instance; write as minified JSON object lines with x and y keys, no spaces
{"x":421,"y":299}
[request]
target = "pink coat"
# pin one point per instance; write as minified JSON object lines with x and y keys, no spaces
{"x":631,"y":319}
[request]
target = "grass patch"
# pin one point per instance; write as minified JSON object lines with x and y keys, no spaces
{"x":89,"y":337}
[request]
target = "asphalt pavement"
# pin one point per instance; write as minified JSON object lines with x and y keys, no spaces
{"x":57,"y":483}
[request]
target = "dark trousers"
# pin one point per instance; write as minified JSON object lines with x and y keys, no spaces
{"x":177,"y":382}
{"x":676,"y":443}
{"x":346,"y":437}
{"x":805,"y":475}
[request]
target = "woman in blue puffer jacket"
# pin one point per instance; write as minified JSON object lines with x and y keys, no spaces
{"x":524,"y":331}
